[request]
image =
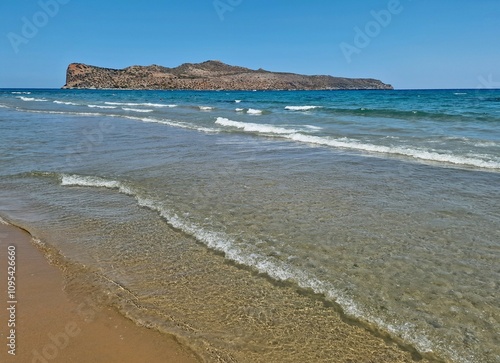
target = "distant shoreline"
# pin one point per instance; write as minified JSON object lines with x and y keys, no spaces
{"x":209,"y":75}
{"x":224,"y":90}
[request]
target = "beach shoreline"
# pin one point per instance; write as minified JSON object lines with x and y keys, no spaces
{"x":46,"y":325}
{"x":293,"y":229}
{"x":60,"y":320}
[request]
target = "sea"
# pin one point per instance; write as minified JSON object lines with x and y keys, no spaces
{"x":240,"y":221}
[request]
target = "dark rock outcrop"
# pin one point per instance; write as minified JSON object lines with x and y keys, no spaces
{"x":210,"y":75}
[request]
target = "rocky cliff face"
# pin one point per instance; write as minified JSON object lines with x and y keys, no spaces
{"x":210,"y":75}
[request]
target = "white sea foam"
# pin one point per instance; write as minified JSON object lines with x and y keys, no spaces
{"x":252,"y":127}
{"x":170,"y":123}
{"x":205,"y":108}
{"x":252,"y":111}
{"x":3,"y":106}
{"x":32,"y":99}
{"x":21,"y":93}
{"x":486,"y":144}
{"x":276,"y":269}
{"x":146,"y":104}
{"x":315,"y":128}
{"x":159,"y":105}
{"x":237,"y":101}
{"x":93,"y":181}
{"x":66,"y":103}
{"x":421,"y":155}
{"x":69,"y":113}
{"x":301,"y":108}
{"x":2,"y":221}
{"x":100,"y":106}
{"x":136,"y":110}
{"x":239,"y":109}
{"x":88,"y":181}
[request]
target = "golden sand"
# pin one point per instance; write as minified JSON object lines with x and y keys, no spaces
{"x":48,"y":326}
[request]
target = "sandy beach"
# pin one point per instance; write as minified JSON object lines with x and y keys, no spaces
{"x":51,"y":327}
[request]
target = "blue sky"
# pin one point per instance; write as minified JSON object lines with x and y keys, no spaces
{"x":408,"y":43}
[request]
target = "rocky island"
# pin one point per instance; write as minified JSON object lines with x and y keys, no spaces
{"x":209,"y":75}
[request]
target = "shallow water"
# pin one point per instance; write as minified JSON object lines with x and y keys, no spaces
{"x":385,"y":203}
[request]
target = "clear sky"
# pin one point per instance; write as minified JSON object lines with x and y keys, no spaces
{"x":407,"y":43}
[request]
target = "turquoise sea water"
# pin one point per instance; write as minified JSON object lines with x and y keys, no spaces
{"x":385,"y":202}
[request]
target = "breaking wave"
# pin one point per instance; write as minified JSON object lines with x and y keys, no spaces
{"x":136,"y":110}
{"x":66,"y":103}
{"x":146,"y":104}
{"x":244,"y":255}
{"x":32,"y":99}
{"x":252,"y":127}
{"x":101,"y":106}
{"x":301,"y":108}
{"x":352,"y":144}
{"x":252,"y":111}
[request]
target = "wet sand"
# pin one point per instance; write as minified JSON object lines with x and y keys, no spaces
{"x":52,"y":327}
